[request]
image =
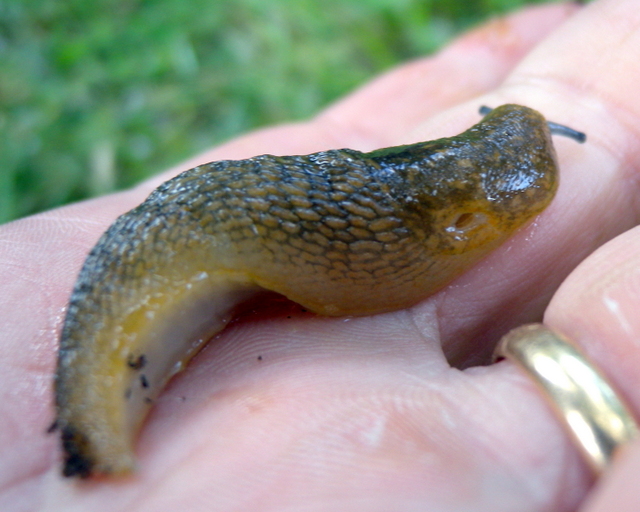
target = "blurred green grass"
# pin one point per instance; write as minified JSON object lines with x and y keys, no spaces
{"x":95,"y":96}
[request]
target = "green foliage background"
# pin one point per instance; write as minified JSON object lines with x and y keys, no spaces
{"x":96,"y":95}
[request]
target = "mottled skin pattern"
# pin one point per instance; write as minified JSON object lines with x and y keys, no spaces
{"x":341,"y":232}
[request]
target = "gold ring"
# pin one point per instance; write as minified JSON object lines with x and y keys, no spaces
{"x":592,"y":412}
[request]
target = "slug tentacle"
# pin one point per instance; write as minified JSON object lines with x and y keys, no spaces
{"x":554,"y":128}
{"x":340,"y":232}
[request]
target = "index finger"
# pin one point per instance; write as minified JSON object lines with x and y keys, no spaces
{"x":581,"y":76}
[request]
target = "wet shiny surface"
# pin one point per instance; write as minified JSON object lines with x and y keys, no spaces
{"x":340,"y":232}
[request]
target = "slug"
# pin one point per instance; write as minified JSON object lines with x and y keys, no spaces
{"x":340,"y":232}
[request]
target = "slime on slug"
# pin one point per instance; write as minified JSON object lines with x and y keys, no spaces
{"x":340,"y":232}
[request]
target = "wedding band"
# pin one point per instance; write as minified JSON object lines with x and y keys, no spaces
{"x":592,"y":412}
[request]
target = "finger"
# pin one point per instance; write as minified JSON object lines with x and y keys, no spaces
{"x":597,"y":198}
{"x":618,"y":490}
{"x":597,"y":307}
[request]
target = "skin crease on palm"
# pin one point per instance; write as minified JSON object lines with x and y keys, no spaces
{"x":289,"y":411}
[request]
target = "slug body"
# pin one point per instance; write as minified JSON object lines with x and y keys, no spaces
{"x":340,"y":232}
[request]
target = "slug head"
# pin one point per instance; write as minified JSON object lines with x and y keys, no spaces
{"x":470,"y":192}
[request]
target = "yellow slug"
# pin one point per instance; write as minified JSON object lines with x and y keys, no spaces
{"x":340,"y":232}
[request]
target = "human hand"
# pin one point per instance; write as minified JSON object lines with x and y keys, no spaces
{"x":366,"y":413}
{"x":597,"y":307}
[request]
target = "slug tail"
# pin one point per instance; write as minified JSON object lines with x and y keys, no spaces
{"x":137,"y":315}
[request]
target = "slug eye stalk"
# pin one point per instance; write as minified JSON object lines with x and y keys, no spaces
{"x":554,"y":128}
